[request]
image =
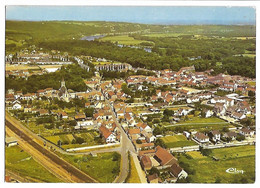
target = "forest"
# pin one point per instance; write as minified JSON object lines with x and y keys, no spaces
{"x":223,"y":48}
{"x":72,"y":75}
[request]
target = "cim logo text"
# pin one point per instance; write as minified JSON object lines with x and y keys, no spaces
{"x":234,"y":171}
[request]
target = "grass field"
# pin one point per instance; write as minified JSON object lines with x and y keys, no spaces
{"x":102,"y":167}
{"x":88,"y":137}
{"x":233,"y":152}
{"x":133,"y":174}
{"x":123,"y":39}
{"x":195,"y":155}
{"x":208,"y":170}
{"x":21,"y":67}
{"x":164,"y":34}
{"x":23,"y":164}
{"x":177,"y":141}
{"x":200,"y":124}
{"x":252,"y":83}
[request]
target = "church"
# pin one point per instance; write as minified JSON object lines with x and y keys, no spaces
{"x":63,"y":92}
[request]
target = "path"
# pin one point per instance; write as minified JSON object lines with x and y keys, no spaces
{"x":138,"y":167}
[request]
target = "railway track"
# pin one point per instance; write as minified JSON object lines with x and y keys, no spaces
{"x":54,"y":158}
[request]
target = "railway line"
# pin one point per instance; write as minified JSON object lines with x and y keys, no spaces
{"x":82,"y":177}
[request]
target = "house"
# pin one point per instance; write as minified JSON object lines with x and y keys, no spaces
{"x":230,"y":135}
{"x":27,"y":108}
{"x":146,"y":162}
{"x":247,"y":132}
{"x":164,"y":157}
{"x":80,"y":117}
{"x":144,"y":126}
{"x":193,"y":99}
{"x":108,"y":136}
{"x":11,"y":141}
{"x":178,"y":172}
{"x":149,"y":137}
{"x":215,"y":135}
{"x":202,"y":138}
{"x":149,"y":153}
{"x":63,"y":115}
{"x":84,"y":123}
{"x":219,"y":109}
{"x":208,"y":113}
{"x":182,"y":112}
{"x":43,"y":112}
{"x":186,"y":134}
{"x":144,"y":146}
{"x":238,"y":115}
{"x":16,"y":105}
{"x":153,"y":178}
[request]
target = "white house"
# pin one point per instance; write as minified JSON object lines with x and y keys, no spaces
{"x":85,"y":123}
{"x":108,"y":136}
{"x":247,"y":132}
{"x":215,"y":135}
{"x":238,"y":116}
{"x":16,"y":105}
{"x":178,"y":172}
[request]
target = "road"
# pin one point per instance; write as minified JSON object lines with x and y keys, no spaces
{"x":66,"y":171}
{"x":126,"y":145}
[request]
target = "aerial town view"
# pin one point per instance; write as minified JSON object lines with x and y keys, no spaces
{"x":130,"y":95}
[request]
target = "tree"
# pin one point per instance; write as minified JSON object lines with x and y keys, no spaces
{"x":205,"y":152}
{"x":79,"y":140}
{"x":157,"y":131}
{"x":251,"y":93}
{"x":154,"y":170}
{"x":89,"y":112}
{"x":116,"y":156}
{"x":240,"y":137}
{"x":159,"y":142}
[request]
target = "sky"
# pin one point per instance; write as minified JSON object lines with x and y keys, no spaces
{"x":147,"y":14}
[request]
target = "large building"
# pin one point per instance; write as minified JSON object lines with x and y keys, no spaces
{"x":63,"y":92}
{"x":113,"y":67}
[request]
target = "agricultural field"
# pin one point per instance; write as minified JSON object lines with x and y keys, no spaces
{"x":133,"y":177}
{"x":22,"y":163}
{"x":195,"y":155}
{"x":104,"y":167}
{"x":163,"y":35}
{"x":207,"y":170}
{"x":177,"y":141}
{"x":67,"y":138}
{"x":21,"y":67}
{"x":123,"y":39}
{"x":200,"y":124}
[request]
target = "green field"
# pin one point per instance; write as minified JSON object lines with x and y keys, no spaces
{"x":87,"y":136}
{"x":133,"y":177}
{"x":208,"y":170}
{"x":123,"y":39}
{"x":102,"y":168}
{"x":23,"y":164}
{"x":201,"y":124}
{"x":195,"y":155}
{"x":177,"y":141}
{"x":164,"y":35}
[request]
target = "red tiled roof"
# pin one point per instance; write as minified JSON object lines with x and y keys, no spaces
{"x":104,"y":131}
{"x":164,"y":156}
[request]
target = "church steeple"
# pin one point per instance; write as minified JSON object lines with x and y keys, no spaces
{"x":62,"y":83}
